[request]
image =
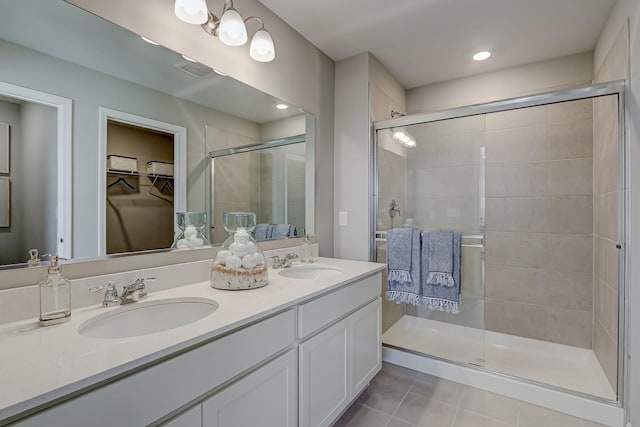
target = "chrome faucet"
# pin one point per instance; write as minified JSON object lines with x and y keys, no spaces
{"x":130,"y":293}
{"x":110,"y":296}
{"x":135,"y":291}
{"x":286,"y":263}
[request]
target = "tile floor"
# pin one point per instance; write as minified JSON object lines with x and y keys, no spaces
{"x":401,"y":397}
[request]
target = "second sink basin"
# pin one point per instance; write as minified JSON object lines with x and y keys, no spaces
{"x":310,"y":271}
{"x":142,"y":318}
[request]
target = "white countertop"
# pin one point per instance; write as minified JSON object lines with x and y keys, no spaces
{"x":43,"y":365}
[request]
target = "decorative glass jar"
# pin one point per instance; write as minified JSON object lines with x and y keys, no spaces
{"x":239,"y":263}
{"x":191,"y":225}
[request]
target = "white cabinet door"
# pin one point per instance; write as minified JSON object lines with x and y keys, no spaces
{"x":265,"y":398}
{"x":324,"y":376}
{"x":189,"y":418}
{"x":365,"y":346}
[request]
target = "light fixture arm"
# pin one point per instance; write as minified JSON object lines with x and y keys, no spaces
{"x":213,"y":23}
{"x":256,"y":18}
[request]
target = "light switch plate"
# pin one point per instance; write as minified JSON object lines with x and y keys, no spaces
{"x":342,"y":219}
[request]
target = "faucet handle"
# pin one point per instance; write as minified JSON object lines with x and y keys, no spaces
{"x":276,"y":261}
{"x":110,"y":296}
{"x":140,"y":282}
{"x":288,"y":258}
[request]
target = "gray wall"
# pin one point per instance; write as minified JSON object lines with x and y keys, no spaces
{"x":364,"y":92}
{"x":38,"y":163}
{"x":554,"y":74}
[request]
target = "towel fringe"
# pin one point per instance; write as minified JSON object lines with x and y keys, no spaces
{"x":438,"y":278}
{"x":431,"y":303}
{"x":399,"y":276}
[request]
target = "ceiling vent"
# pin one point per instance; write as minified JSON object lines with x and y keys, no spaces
{"x":195,"y":69}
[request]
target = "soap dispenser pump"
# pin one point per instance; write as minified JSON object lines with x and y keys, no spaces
{"x":55,"y":296}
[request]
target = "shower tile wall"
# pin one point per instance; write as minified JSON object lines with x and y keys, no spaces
{"x":539,"y":208}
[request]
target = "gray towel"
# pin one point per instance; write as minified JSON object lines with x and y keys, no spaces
{"x":261,"y":231}
{"x":440,"y":245}
{"x":403,"y":265}
{"x":437,"y":297}
{"x":280,"y":231}
{"x":293,"y":231}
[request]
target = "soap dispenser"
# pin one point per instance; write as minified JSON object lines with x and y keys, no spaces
{"x":305,"y":250}
{"x":55,"y":296}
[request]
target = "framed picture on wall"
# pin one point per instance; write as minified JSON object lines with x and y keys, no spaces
{"x":5,"y":202}
{"x":4,"y":148}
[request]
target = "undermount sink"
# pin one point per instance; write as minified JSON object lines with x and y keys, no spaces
{"x":142,"y":318}
{"x":312,"y":271}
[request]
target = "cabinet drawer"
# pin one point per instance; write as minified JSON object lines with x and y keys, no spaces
{"x":317,"y":313}
{"x":154,"y":392}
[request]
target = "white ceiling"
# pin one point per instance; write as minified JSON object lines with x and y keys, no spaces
{"x":427,"y":41}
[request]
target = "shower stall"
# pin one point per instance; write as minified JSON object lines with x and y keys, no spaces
{"x":536,"y":187}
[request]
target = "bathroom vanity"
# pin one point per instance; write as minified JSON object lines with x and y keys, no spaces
{"x":296,"y":352}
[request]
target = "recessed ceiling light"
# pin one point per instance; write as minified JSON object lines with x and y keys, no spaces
{"x":149,"y":41}
{"x":220,"y":73}
{"x":282,"y":106}
{"x":482,"y":55}
{"x":189,"y":59}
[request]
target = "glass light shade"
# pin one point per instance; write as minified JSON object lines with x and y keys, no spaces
{"x":232,"y":31}
{"x":262,"y":48}
{"x":192,"y":11}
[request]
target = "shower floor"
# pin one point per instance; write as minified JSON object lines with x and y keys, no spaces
{"x":571,"y":368}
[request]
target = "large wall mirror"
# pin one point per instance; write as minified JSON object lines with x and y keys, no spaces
{"x":108,"y":136}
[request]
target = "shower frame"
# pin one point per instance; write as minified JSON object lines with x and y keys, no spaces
{"x":589,"y":91}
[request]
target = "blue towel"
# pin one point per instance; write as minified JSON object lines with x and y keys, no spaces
{"x":440,"y":252}
{"x":280,"y":231}
{"x":293,"y":231}
{"x":261,"y":231}
{"x":403,"y":265}
{"x":436,"y":296}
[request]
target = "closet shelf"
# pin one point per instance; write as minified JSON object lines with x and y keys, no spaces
{"x":150,"y":175}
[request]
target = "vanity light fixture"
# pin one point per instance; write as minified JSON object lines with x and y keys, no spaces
{"x":282,"y":106}
{"x":482,"y":55}
{"x":401,"y":134}
{"x":230,"y":28}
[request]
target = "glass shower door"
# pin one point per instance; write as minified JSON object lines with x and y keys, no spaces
{"x":436,"y":183}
